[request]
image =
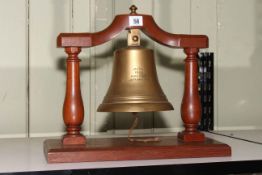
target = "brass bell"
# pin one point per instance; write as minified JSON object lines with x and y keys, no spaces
{"x":134,"y":86}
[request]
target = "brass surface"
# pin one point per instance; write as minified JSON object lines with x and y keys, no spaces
{"x":134,"y":86}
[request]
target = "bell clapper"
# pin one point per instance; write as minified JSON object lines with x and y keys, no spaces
{"x":142,"y":139}
{"x":133,"y":126}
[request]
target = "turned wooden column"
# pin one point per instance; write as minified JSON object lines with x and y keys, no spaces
{"x":73,"y":109}
{"x":191,"y":106}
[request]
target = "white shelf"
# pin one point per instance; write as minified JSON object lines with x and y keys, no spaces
{"x":250,"y":135}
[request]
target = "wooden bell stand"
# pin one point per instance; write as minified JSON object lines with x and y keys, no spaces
{"x":74,"y":147}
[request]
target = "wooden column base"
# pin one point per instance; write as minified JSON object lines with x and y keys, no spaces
{"x":191,"y":137}
{"x":74,"y":139}
{"x":109,"y":149}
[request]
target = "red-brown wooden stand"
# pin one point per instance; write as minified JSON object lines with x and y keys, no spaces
{"x":74,"y":147}
{"x":101,"y":149}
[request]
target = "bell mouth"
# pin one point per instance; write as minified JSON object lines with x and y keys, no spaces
{"x":135,"y":107}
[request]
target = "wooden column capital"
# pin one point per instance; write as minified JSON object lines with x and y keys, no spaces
{"x":73,"y":52}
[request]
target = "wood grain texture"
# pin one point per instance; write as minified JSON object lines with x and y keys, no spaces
{"x":120,"y":23}
{"x":106,"y":149}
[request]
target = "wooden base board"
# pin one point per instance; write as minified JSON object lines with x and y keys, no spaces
{"x":110,"y":149}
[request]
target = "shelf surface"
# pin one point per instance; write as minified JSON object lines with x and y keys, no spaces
{"x":22,"y":155}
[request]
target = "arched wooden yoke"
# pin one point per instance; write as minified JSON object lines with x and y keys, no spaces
{"x":120,"y":23}
{"x":73,"y":110}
